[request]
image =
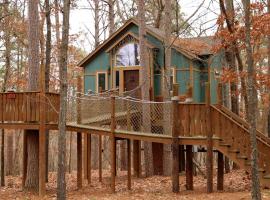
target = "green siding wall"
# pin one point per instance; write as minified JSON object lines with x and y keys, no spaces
{"x":182,"y":77}
{"x":100,"y":63}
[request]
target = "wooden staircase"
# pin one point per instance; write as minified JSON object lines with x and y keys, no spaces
{"x":235,"y":141}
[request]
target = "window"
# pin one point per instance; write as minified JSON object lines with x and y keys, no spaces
{"x":128,"y":55}
{"x":101,"y":81}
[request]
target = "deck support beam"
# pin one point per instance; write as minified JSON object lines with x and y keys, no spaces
{"x":220,"y":171}
{"x":79,"y":160}
{"x":175,"y":147}
{"x":189,"y":167}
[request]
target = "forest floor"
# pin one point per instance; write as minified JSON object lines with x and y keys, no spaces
{"x":237,"y":187}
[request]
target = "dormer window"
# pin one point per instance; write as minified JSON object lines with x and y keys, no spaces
{"x":128,"y":55}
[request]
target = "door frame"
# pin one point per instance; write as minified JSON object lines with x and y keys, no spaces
{"x":121,"y":76}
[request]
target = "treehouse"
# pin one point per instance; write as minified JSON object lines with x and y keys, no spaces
{"x":204,"y":121}
{"x":115,"y":64}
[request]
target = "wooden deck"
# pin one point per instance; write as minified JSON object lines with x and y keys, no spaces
{"x":196,"y":124}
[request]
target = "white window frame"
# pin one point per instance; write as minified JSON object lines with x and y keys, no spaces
{"x":97,"y":79}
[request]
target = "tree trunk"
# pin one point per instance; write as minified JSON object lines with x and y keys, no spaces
{"x":96,"y":10}
{"x":47,"y":71}
{"x":9,"y":155}
{"x":252,"y":105}
{"x":145,"y":82}
{"x":111,"y":16}
{"x":268,"y":53}
{"x":166,"y":84}
{"x":61,"y":182}
{"x":235,"y":50}
{"x":32,"y":136}
{"x":7,"y":54}
{"x":2,"y":158}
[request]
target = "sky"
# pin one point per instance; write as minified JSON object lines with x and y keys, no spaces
{"x":81,"y":19}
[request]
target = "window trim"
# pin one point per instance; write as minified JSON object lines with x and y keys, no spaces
{"x":116,"y":52}
{"x":97,"y":79}
{"x":173,"y":74}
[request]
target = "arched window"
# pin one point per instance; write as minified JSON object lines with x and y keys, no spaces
{"x":128,"y":55}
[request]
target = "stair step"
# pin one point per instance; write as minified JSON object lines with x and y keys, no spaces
{"x":242,"y":157}
{"x":261,"y":170}
{"x":225,"y":145}
{"x":267,"y":176}
{"x":234,"y":151}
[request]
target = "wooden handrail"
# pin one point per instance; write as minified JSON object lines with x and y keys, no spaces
{"x":263,"y":139}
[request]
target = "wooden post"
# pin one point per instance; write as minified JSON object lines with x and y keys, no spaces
{"x":79,"y":135}
{"x":3,"y":160}
{"x":189,"y":167}
{"x":42,"y":134}
{"x":89,"y":167}
{"x":129,"y":164}
{"x":175,"y":147}
{"x":209,"y":160}
{"x":113,"y":145}
{"x":79,"y":160}
{"x":100,"y":158}
{"x":219,"y":95}
{"x":24,"y":150}
{"x":85,"y":154}
{"x":220,"y":171}
{"x":136,"y":155}
{"x":137,"y":158}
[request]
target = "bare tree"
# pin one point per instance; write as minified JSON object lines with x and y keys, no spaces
{"x":6,"y":77}
{"x":111,"y":16}
{"x":166,"y":81}
{"x":252,"y":104}
{"x":47,"y":69}
{"x":144,"y":74}
{"x":268,"y":46}
{"x":61,"y":182}
{"x":32,"y":136}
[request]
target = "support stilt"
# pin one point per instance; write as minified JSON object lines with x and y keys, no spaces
{"x":129,"y":164}
{"x":100,"y":158}
{"x":136,"y":158}
{"x":175,"y":148}
{"x":3,"y":158}
{"x":189,"y":167}
{"x":209,"y":160}
{"x":79,"y":160}
{"x":113,"y":145}
{"x":89,"y":167}
{"x":85,"y":160}
{"x":220,"y":171}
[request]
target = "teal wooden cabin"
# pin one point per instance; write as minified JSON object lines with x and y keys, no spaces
{"x":115,"y":63}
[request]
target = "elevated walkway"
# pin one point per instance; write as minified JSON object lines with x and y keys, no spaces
{"x":144,"y":121}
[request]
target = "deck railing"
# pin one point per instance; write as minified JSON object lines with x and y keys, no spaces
{"x":25,"y":107}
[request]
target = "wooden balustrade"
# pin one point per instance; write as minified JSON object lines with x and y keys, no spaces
{"x":193,"y":119}
{"x":25,"y":107}
{"x":53,"y":106}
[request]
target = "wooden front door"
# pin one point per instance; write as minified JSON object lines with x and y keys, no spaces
{"x":131,"y":79}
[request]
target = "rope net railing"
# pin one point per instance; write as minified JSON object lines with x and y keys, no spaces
{"x":131,"y":114}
